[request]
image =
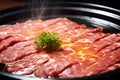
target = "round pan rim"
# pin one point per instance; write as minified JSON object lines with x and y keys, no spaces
{"x":83,"y":78}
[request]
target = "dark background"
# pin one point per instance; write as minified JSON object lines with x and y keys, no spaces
{"x":110,"y":3}
{"x":10,"y":3}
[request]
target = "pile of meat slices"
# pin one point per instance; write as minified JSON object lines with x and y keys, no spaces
{"x":84,"y":51}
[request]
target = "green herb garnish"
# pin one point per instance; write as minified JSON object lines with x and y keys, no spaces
{"x":48,"y":41}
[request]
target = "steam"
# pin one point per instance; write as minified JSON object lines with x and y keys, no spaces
{"x":38,"y":8}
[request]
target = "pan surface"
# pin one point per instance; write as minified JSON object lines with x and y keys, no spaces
{"x":93,"y":15}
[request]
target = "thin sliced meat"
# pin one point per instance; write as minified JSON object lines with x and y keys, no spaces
{"x":87,"y":35}
{"x":74,"y":35}
{"x":28,"y":29}
{"x":93,"y":37}
{"x":71,"y":72}
{"x":83,"y":51}
{"x":21,"y":33}
{"x":112,"y":67}
{"x":85,"y":42}
{"x":18,"y":51}
{"x":78,"y":70}
{"x":106,"y":42}
{"x":54,"y":67}
{"x":46,"y":25}
{"x":109,"y":48}
{"x":18,"y":29}
{"x":27,"y":64}
{"x":109,"y":59}
{"x":38,"y":26}
{"x":106,"y":55}
{"x":64,"y":25}
{"x":102,"y":43}
{"x":76,"y":49}
{"x":99,"y":55}
{"x":55,"y":25}
{"x":10,"y":41}
{"x":5,"y":31}
{"x":7,"y":28}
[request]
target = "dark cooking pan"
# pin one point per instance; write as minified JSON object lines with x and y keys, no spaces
{"x":90,"y":14}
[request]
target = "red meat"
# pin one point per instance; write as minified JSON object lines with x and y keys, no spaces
{"x":10,"y":41}
{"x":95,"y":64}
{"x":27,"y":64}
{"x":83,"y":51}
{"x":54,"y":66}
{"x":18,"y":51}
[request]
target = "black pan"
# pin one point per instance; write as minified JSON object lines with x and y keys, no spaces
{"x":93,"y":15}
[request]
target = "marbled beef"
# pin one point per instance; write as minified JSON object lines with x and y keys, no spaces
{"x":84,"y":51}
